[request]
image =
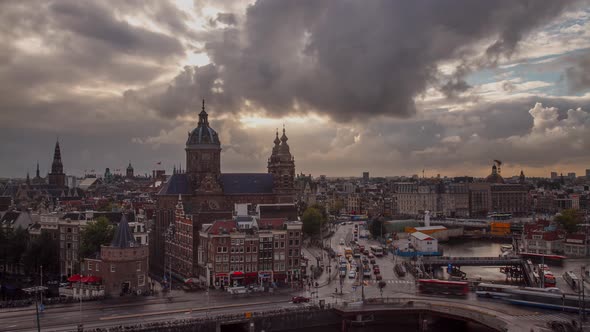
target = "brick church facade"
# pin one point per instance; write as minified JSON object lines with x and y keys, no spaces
{"x":208,"y":195}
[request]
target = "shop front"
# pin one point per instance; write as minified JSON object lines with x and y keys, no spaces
{"x":265,"y":278}
{"x":250,"y":278}
{"x":237,"y":278}
{"x":280,"y":279}
{"x":221,"y":280}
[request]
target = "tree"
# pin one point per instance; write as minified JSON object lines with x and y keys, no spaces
{"x":95,"y":234}
{"x":42,"y":251}
{"x":336,"y":207}
{"x":377,"y":227}
{"x":312,"y":221}
{"x":569,"y":220}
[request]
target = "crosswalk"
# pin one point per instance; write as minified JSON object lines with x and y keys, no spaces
{"x":392,"y":281}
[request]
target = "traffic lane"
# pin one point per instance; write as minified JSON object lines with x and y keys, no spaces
{"x":73,"y":317}
{"x":71,"y":320}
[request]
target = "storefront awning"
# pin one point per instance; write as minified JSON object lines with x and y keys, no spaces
{"x":91,"y":279}
{"x":75,"y":278}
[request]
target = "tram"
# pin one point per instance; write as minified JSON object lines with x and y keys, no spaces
{"x":443,"y":287}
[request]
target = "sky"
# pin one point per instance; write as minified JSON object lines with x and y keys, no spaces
{"x":389,"y":87}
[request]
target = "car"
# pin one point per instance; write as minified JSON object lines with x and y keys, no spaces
{"x":375,"y":266}
{"x":299,"y":299}
{"x":371,"y":255}
{"x":372,"y":260}
{"x":341,"y":242}
{"x":362,"y":248}
{"x":376,"y":271}
{"x":366,"y":252}
{"x":352,"y":274}
{"x":378,"y":277}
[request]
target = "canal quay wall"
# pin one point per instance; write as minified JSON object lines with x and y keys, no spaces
{"x":406,"y":314}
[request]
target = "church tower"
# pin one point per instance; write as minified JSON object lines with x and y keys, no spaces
{"x":203,"y":155}
{"x":281,"y":165}
{"x":129,"y":172}
{"x":57,"y":177}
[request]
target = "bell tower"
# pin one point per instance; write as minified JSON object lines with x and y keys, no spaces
{"x":57,"y":177}
{"x":281,"y":165}
{"x":203,"y":154}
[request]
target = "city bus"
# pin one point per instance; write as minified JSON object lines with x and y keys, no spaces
{"x":434,"y":286}
{"x":377,"y":251}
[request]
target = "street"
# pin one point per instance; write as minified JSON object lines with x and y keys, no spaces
{"x":201,"y":304}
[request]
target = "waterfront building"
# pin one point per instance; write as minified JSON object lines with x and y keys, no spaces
{"x":577,"y":245}
{"x":543,"y":237}
{"x":510,"y":198}
{"x":423,"y":243}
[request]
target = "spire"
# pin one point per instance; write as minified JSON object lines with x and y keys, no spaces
{"x":37,"y":174}
{"x":521,"y":178}
{"x":28,"y":178}
{"x":284,"y":137}
{"x":123,"y":237}
{"x":174,"y":169}
{"x":277,"y":140}
{"x":57,"y":166}
{"x":203,"y":116}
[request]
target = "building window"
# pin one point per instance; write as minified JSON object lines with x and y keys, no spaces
{"x":89,"y":266}
{"x":141,"y":280}
{"x":138,"y":266}
{"x":112,"y":267}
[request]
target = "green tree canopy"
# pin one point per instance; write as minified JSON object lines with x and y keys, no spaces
{"x":95,"y":234}
{"x":569,"y":220}
{"x":13,"y":243}
{"x":377,"y":227}
{"x":42,"y":251}
{"x":312,"y":221}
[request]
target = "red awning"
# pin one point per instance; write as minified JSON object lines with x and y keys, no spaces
{"x":237,"y":274}
{"x":251,"y":274}
{"x":75,"y":278}
{"x":91,"y":279}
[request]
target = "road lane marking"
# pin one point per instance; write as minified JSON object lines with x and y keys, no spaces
{"x":188,"y":309}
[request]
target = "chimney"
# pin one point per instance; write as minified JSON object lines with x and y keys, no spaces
{"x":427,"y":218}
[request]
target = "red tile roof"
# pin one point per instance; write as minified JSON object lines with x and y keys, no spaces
{"x":219,"y":225}
{"x":271,"y":223}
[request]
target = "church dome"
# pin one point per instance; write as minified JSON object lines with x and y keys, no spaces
{"x":495,"y":177}
{"x":203,"y":134}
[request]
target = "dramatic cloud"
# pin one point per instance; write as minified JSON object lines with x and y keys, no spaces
{"x":351,"y":59}
{"x":386,"y":86}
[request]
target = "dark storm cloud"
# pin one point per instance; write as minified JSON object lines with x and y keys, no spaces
{"x":353,"y":59}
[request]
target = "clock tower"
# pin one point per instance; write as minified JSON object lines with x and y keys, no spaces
{"x":203,"y":152}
